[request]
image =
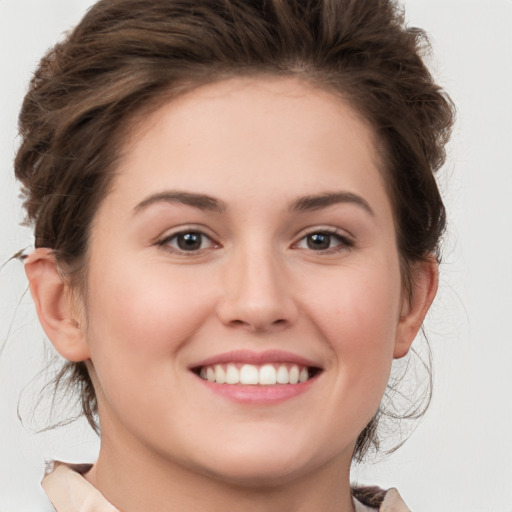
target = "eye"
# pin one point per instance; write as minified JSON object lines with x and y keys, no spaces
{"x":187,"y":241}
{"x":324,"y":241}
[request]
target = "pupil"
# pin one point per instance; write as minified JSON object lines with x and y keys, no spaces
{"x":189,"y":241}
{"x":319,"y":241}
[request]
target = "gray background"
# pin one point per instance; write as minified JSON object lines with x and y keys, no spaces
{"x":460,"y":456}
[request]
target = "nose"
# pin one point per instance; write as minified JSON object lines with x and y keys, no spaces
{"x":256,"y":293}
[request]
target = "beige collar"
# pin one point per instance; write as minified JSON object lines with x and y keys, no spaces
{"x":393,"y":502}
{"x":69,"y":491}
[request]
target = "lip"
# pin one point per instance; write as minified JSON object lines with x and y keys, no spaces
{"x":257,"y":395}
{"x":250,"y":357}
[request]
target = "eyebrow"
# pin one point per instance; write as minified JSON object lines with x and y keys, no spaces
{"x":206,"y":202}
{"x":319,"y":201}
{"x":200,"y":201}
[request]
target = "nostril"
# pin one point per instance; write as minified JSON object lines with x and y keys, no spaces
{"x":259,"y":326}
{"x":256,"y":297}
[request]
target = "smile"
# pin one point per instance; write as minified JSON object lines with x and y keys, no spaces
{"x":268,"y":374}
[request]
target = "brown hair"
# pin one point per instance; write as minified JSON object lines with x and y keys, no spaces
{"x":127,"y":56}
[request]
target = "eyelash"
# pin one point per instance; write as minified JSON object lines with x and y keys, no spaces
{"x":165,"y":242}
{"x":344,"y":242}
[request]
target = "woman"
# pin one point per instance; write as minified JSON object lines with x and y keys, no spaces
{"x":236,"y":229}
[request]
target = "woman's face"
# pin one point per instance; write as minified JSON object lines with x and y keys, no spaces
{"x":248,"y":235}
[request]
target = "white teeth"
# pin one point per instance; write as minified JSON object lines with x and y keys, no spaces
{"x":283,"y":375}
{"x":232,"y":374}
{"x":210,"y":374}
{"x":251,"y":375}
{"x":220,"y":374}
{"x":294,"y":375}
{"x":268,"y":375}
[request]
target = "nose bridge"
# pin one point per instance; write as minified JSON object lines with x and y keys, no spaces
{"x":257,"y":293}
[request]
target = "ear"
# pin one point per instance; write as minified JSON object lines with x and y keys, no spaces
{"x":424,"y":282}
{"x":54,"y":306}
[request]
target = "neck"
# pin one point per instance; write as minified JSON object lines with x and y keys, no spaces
{"x":134,"y":481}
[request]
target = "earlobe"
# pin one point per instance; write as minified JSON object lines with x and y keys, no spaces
{"x":52,"y":298}
{"x":424,"y":282}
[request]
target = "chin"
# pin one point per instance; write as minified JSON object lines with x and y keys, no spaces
{"x":262,"y":469}
{"x":257,"y":475}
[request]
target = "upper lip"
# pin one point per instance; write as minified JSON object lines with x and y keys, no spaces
{"x":250,"y":357}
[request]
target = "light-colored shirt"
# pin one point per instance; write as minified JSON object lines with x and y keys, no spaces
{"x":69,"y":491}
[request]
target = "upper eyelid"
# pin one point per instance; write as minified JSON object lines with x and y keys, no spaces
{"x":347,"y":240}
{"x":210,"y":234}
{"x":192,"y":228}
{"x":331,"y":230}
{"x":164,"y":244}
{"x":178,"y":233}
{"x":333,"y":234}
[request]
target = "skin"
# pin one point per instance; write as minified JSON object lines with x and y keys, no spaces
{"x":257,"y":146}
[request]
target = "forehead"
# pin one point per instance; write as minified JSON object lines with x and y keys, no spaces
{"x":246,"y":134}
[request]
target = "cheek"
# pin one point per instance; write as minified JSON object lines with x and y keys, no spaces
{"x":359,"y":317}
{"x":138,"y":323}
{"x":140,"y":316}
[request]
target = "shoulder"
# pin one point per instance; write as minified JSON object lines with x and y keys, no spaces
{"x":375,"y":498}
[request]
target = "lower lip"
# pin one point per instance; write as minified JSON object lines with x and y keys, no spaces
{"x":259,"y":395}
